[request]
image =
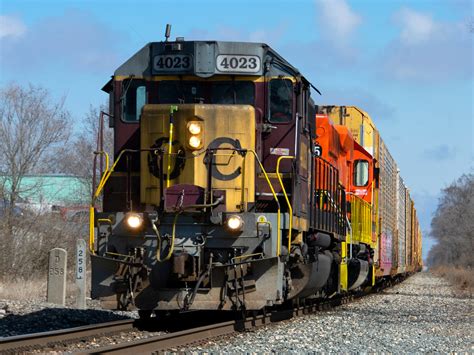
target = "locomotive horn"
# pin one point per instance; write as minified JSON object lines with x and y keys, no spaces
{"x":167,"y":32}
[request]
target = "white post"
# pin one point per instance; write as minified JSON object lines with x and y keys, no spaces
{"x":57,"y":276}
{"x":81,"y":273}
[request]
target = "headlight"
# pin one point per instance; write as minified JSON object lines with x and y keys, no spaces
{"x":194,"y":142}
{"x":235,"y":223}
{"x":194,"y":127}
{"x":134,"y":220}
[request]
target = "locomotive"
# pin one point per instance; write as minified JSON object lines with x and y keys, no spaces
{"x":231,"y":190}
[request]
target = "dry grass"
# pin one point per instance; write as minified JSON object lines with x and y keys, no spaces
{"x":461,"y":278}
{"x":28,"y":290}
{"x":31,"y":290}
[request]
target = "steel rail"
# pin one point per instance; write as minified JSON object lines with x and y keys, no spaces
{"x":172,"y":342}
{"x":43,"y":339}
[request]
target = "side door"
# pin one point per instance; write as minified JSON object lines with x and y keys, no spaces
{"x":278,"y":137}
{"x":303,"y":158}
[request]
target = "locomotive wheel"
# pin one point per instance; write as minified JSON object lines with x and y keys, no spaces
{"x":144,"y":314}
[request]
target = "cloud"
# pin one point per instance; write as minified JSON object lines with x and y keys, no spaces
{"x":337,"y":20}
{"x":416,"y":27}
{"x":336,"y":24}
{"x":440,"y":152}
{"x":75,"y":40}
{"x":426,"y":50}
{"x":11,"y":26}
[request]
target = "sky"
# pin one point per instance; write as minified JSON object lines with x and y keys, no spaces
{"x":409,"y":64}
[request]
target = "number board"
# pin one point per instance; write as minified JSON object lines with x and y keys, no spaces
{"x":318,"y":150}
{"x":172,"y":63}
{"x":238,"y":63}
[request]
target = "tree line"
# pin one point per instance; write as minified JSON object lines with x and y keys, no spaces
{"x":452,"y":226}
{"x":39,"y":135}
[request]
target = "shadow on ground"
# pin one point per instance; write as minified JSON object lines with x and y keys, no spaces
{"x":53,"y":319}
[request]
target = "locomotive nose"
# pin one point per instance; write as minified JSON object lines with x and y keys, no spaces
{"x":204,"y":154}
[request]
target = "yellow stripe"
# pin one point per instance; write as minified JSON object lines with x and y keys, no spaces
{"x":343,"y":267}
{"x":190,"y":77}
{"x":373,"y":275}
{"x":255,"y":79}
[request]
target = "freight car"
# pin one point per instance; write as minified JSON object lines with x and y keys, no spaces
{"x":228,"y":191}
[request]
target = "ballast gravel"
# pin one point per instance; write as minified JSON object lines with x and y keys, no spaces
{"x":26,"y":317}
{"x":423,"y":314}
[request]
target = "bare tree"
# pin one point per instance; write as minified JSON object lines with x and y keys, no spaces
{"x":32,"y":127}
{"x":453,"y":225}
{"x":80,"y":152}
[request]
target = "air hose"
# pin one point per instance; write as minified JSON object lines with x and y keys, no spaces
{"x":171,"y":246}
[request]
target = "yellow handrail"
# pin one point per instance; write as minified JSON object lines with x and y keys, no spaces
{"x":286,"y":197}
{"x":274,"y":196}
{"x":92,"y":206}
{"x":170,"y":144}
{"x":101,"y":185}
{"x":242,"y":192}
{"x":91,"y":229}
{"x":108,"y":172}
{"x":247,"y":256}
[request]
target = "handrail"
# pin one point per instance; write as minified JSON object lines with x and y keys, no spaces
{"x":242,"y":187}
{"x":275,"y":197}
{"x":108,"y":171}
{"x":286,"y":197}
{"x":101,"y":152}
{"x":247,"y":256}
{"x":94,"y":197}
{"x":269,"y":184}
{"x":170,"y":143}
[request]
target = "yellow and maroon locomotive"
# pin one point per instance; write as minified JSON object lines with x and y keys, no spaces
{"x":219,"y":196}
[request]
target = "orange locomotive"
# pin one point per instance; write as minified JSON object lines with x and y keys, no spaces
{"x":380,"y":211}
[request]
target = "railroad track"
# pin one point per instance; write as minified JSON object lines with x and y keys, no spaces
{"x":172,"y":341}
{"x":21,"y":343}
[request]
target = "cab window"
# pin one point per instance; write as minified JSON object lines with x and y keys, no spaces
{"x":281,"y":100}
{"x":233,"y":92}
{"x":221,"y":92}
{"x":180,"y":92}
{"x":134,"y":97}
{"x":361,"y":173}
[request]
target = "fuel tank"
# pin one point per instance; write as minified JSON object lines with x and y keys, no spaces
{"x":307,"y":279}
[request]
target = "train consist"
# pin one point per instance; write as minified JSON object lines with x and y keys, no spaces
{"x":231,"y":190}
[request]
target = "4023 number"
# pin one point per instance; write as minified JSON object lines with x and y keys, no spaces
{"x":172,"y":63}
{"x":238,"y":63}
